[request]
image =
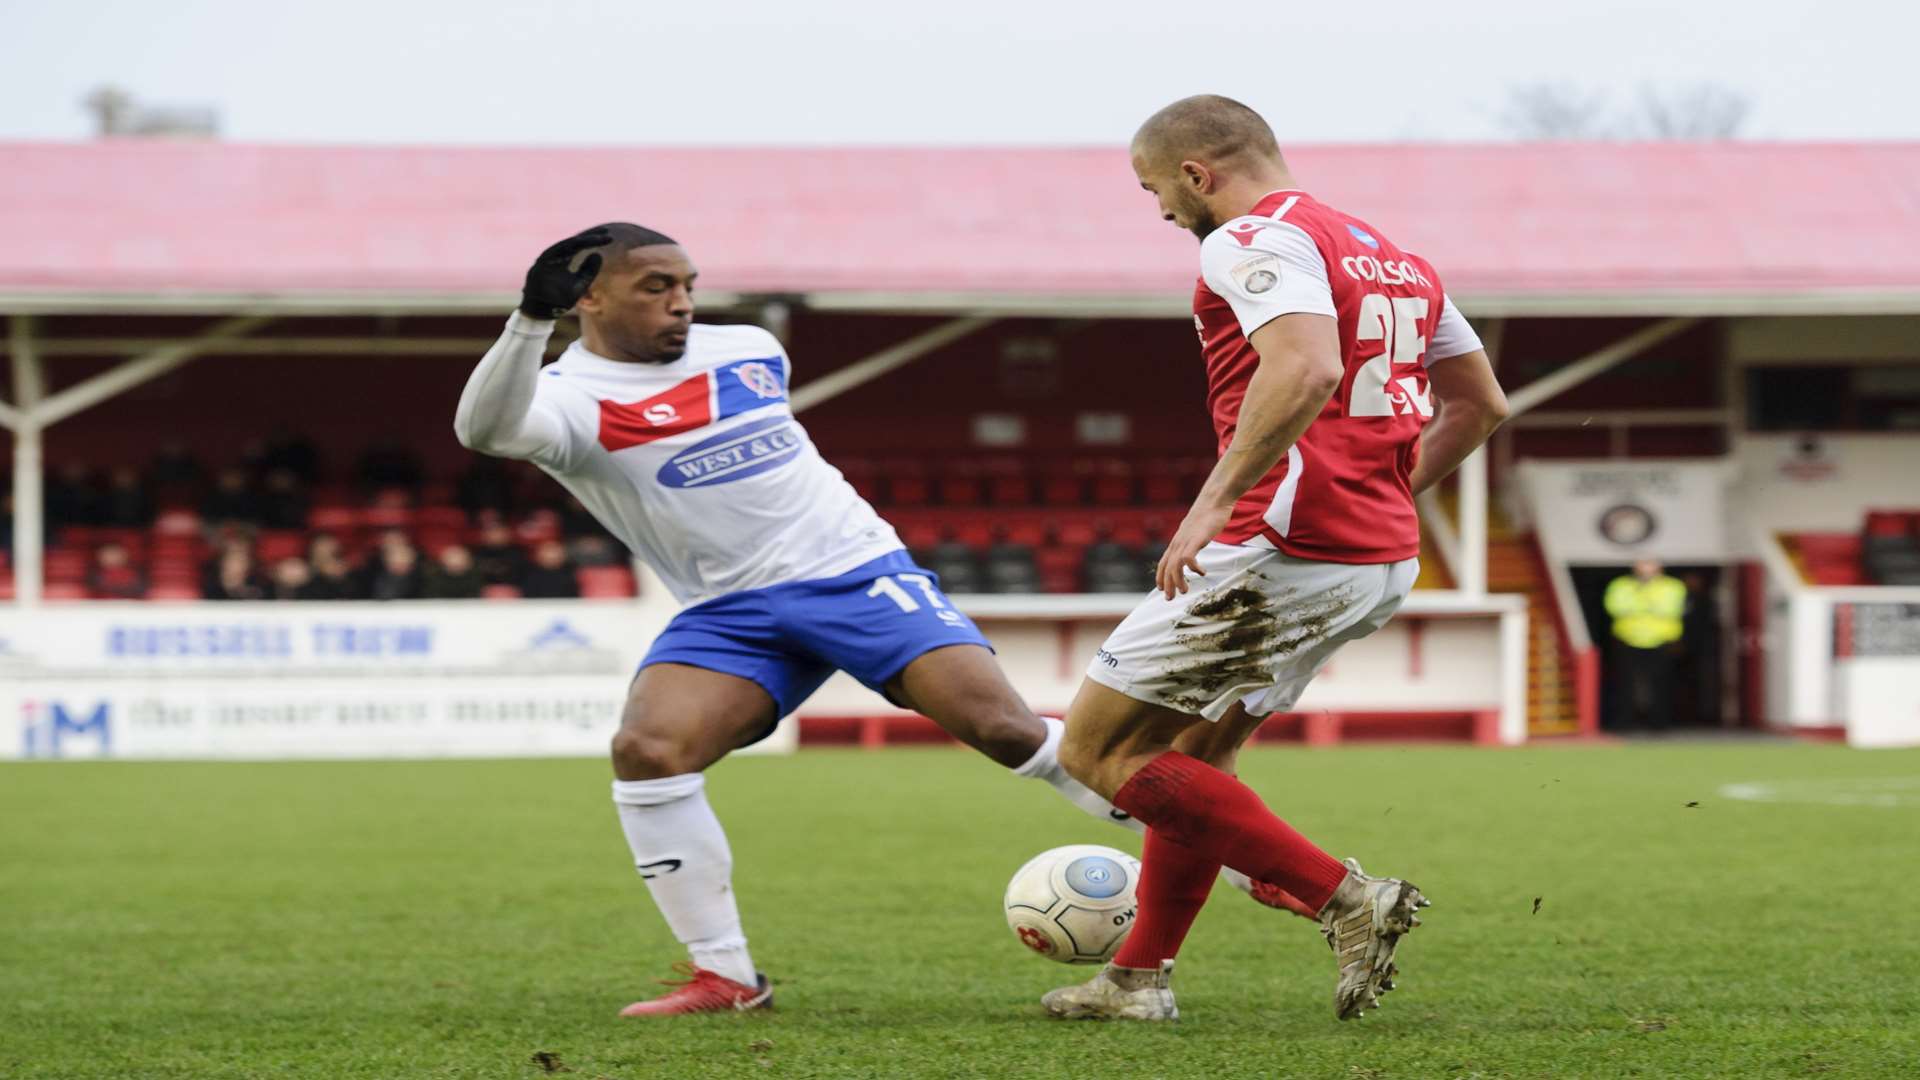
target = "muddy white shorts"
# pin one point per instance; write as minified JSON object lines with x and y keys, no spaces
{"x":1254,"y":630}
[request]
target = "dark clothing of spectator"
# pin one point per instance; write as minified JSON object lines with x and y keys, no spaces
{"x":500,"y":564}
{"x":116,"y":583}
{"x":549,"y":583}
{"x":485,"y":486}
{"x":389,"y":466}
{"x":126,"y":505}
{"x":251,"y":587}
{"x":175,"y":474}
{"x":71,"y":499}
{"x":443,"y":584}
{"x":283,"y":505}
{"x":294,"y":453}
{"x":230,"y":504}
{"x":325,"y":586}
{"x":389,"y":584}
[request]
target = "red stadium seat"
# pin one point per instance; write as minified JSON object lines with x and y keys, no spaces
{"x":1075,"y":532}
{"x":906,"y":482}
{"x":273,"y":545}
{"x":172,"y":591}
{"x":1112,"y":482}
{"x":64,"y":590}
{"x":500,"y":592}
{"x":333,"y":519}
{"x":65,"y":565}
{"x":448,"y":518}
{"x":605,"y":582}
{"x":385,"y":517}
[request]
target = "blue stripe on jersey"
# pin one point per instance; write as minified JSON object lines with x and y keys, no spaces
{"x":751,"y":384}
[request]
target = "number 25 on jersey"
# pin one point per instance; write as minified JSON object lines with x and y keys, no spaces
{"x":1380,"y":388}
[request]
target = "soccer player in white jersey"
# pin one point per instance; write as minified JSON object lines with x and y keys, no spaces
{"x":678,"y":437}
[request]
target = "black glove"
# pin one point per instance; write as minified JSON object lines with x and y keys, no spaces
{"x":552,"y":286}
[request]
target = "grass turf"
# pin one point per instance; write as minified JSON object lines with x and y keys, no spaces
{"x":453,"y":919}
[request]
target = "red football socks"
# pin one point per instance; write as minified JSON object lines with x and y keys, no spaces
{"x":1217,"y":817}
{"x":1174,"y":883}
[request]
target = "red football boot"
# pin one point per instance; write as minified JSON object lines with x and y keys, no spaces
{"x":703,"y":991}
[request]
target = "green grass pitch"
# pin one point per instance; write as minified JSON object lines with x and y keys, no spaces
{"x":454,"y":919}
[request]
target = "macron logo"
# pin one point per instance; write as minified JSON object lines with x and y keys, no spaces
{"x":1245,"y":233}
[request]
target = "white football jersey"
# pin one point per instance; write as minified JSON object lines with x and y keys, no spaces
{"x":700,"y":467}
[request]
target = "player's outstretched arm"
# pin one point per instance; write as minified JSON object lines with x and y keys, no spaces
{"x":496,"y":415}
{"x":1299,"y":370}
{"x":1471,"y":405}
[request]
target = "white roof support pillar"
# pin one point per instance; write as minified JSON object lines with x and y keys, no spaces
{"x":29,"y":503}
{"x":1542,"y":390}
{"x":861,"y":372}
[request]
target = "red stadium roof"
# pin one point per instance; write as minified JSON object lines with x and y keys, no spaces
{"x":1635,"y":228}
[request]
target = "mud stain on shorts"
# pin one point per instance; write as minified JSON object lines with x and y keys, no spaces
{"x":1239,"y":635}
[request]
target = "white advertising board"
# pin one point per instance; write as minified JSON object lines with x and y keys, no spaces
{"x":261,"y":681}
{"x":1880,"y":698}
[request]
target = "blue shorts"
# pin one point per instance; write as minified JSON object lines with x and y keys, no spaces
{"x":870,"y":622}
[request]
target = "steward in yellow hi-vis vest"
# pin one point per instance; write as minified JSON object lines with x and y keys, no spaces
{"x":1648,"y":609}
{"x":1647,"y":614}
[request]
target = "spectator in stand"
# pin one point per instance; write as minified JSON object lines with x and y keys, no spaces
{"x":551,"y":576}
{"x":486,"y":485}
{"x":70,"y":497}
{"x":332,"y":574}
{"x":396,"y":574}
{"x":113,"y":575}
{"x":283,"y":504}
{"x":235,"y":577}
{"x":231,"y":500}
{"x":453,"y":576}
{"x":175,"y":474}
{"x":295,"y":453}
{"x":127,"y":504}
{"x":389,"y":464}
{"x":292,"y":580}
{"x":587,"y":543}
{"x":499,"y":560}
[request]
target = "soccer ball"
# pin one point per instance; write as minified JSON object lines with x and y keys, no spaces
{"x":1074,"y":904}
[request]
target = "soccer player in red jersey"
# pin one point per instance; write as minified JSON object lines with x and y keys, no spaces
{"x":1342,"y":383}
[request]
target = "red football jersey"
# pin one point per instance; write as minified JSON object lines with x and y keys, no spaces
{"x":1341,"y":494}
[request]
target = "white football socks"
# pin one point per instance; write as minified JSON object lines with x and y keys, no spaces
{"x":681,"y":852}
{"x":1045,"y":765}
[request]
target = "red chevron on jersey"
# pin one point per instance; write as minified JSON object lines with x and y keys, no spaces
{"x":684,"y":408}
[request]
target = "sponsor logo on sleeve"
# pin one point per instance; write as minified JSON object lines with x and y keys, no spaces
{"x":747,"y":450}
{"x":1363,"y":236}
{"x":1257,"y":275}
{"x":747,"y":385}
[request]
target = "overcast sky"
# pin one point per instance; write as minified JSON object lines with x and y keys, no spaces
{"x":957,"y":71}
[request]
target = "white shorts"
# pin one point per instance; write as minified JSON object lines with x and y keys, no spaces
{"x":1255,"y":630}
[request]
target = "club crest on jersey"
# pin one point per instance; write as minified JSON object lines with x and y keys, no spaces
{"x":1245,"y":232}
{"x":747,"y":450}
{"x":1257,"y":275}
{"x":1363,"y":236}
{"x":759,"y":380}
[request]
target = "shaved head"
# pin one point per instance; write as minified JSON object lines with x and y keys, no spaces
{"x":1207,"y":159}
{"x":1206,"y":128}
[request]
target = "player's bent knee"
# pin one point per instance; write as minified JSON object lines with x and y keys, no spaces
{"x":643,"y":755}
